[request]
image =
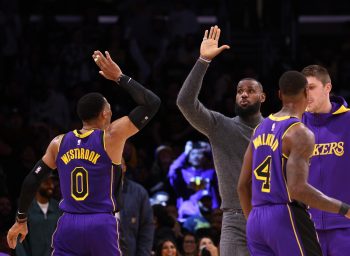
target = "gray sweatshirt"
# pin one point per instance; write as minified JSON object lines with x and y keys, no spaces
{"x":229,"y":137}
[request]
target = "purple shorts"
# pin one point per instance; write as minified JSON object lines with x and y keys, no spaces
{"x":281,"y":230}
{"x":86,"y":234}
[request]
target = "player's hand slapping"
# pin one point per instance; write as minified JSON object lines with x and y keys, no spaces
{"x":108,"y":68}
{"x":209,"y":47}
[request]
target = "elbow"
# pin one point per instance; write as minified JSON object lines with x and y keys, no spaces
{"x":156,"y":103}
{"x":242,"y":188}
{"x":180,"y":101}
{"x":297,"y":191}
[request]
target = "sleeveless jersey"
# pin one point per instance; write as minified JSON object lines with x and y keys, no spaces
{"x":269,"y":164}
{"x":88,"y":178}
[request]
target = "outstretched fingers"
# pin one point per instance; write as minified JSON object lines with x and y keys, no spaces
{"x":108,"y":56}
{"x":211,"y":33}
{"x":205,"y":37}
{"x":217,"y":34}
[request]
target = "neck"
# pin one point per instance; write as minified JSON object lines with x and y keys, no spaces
{"x":290,"y":110}
{"x":251,"y":118}
{"x":326,"y":108}
{"x":41,"y":199}
{"x":90,"y":126}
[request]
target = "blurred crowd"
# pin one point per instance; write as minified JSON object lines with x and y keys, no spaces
{"x":46,"y":66}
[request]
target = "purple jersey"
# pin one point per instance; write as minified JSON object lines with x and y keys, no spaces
{"x":269,"y":173}
{"x":87,"y":174}
{"x":330,"y":163}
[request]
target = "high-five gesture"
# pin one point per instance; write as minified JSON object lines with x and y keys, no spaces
{"x":109,"y":69}
{"x":209,"y":47}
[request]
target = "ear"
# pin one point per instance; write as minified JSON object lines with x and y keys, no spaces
{"x":279,"y":95}
{"x":103,"y":114}
{"x":328,"y":87}
{"x":262,"y":97}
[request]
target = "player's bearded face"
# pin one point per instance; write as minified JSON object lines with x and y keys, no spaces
{"x":247,"y":110}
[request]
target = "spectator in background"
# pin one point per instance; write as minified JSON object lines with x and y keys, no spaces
{"x":136,"y":219}
{"x":192,"y":177}
{"x":164,"y":224}
{"x":163,"y":157}
{"x":189,"y":245}
{"x":207,"y":247}
{"x":167,"y":247}
{"x":43,"y":215}
{"x":202,"y":218}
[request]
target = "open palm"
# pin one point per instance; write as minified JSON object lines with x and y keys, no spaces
{"x":209,"y":47}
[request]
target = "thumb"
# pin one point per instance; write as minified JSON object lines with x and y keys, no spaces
{"x":23,"y":236}
{"x":224,"y":47}
{"x":102,"y":73}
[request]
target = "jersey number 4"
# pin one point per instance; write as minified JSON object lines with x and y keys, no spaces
{"x":79,"y":184}
{"x":262,"y":172}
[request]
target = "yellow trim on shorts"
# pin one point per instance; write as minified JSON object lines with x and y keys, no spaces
{"x":295,"y":233}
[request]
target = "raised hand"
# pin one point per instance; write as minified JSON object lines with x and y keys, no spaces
{"x":209,"y":47}
{"x":109,"y":69}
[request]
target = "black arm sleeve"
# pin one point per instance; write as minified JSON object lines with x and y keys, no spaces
{"x":31,"y":184}
{"x":148,"y":102}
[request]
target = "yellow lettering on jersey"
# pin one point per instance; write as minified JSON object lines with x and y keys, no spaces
{"x":266,"y":140}
{"x":80,"y":153}
{"x":332,"y":148}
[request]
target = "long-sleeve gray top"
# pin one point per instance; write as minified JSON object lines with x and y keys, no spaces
{"x":229,"y":137}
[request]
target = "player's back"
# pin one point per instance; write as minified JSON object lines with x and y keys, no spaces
{"x":269,"y":164}
{"x":87,"y":174}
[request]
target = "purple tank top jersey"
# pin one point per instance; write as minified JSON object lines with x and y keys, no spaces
{"x":87,"y":174}
{"x":268,"y":177}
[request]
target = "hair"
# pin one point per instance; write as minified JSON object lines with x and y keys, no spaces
{"x":252,"y":79}
{"x":292,"y":83}
{"x":159,"y":246}
{"x":90,"y":106}
{"x":317,"y":71}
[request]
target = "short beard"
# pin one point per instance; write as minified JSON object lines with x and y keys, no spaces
{"x":247,"y":111}
{"x":45,"y":193}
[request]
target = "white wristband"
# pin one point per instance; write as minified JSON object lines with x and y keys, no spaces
{"x":205,"y":60}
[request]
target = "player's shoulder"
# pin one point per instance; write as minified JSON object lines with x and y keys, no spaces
{"x":57,"y":139}
{"x":299,"y":132}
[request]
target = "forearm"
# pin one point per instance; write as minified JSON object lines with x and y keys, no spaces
{"x":29,"y":187}
{"x":187,"y":100}
{"x":316,"y":199}
{"x":148,"y":102}
{"x":245,"y":198}
{"x":177,"y":163}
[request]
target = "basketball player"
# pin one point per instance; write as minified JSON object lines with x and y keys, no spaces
{"x":227,"y":153}
{"x":273,"y":184}
{"x":88,"y":162}
{"x":328,"y":118}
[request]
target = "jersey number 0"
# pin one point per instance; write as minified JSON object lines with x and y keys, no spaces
{"x":79,"y":184}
